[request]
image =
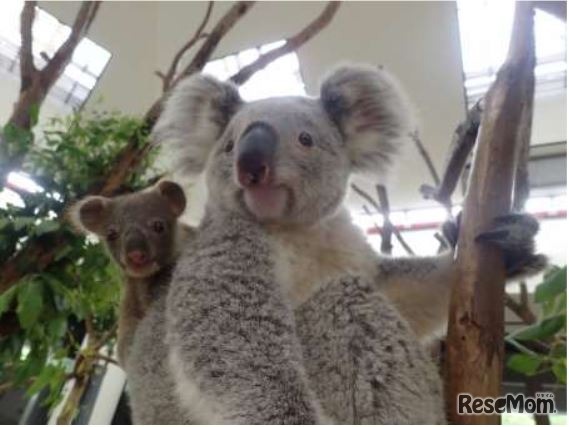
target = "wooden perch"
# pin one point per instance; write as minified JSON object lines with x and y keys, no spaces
{"x":292,"y":43}
{"x":475,"y":341}
{"x":462,"y":143}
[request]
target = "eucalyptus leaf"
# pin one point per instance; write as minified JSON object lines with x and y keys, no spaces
{"x":552,"y":286}
{"x":30,"y":302}
{"x":524,"y":363}
{"x":543,"y":329}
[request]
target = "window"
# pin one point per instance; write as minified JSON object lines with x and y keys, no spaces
{"x":81,"y":74}
{"x":485,"y":28}
{"x":280,"y":78}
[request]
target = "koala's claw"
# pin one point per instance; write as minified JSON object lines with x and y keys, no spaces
{"x":512,"y":232}
{"x":492,"y":236}
{"x":515,"y":235}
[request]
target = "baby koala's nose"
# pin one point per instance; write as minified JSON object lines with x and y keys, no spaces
{"x":137,"y":257}
{"x":255,"y":155}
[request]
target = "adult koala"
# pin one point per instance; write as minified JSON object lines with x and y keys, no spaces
{"x":284,"y":163}
{"x":288,"y":164}
{"x":279,"y":170}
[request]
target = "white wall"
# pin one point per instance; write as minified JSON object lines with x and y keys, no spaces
{"x":418,"y":41}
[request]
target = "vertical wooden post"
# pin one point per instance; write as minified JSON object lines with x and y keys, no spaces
{"x":475,"y":342}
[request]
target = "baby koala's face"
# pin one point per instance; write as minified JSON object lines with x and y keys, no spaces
{"x":138,"y":229}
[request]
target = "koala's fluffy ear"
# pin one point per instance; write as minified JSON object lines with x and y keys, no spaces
{"x":372,"y":112}
{"x":88,"y":214}
{"x":174,"y":196}
{"x":193,"y":118}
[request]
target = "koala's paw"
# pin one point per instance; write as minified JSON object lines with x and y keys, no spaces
{"x":515,"y":235}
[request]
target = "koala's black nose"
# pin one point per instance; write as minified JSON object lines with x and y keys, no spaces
{"x":255,"y":154}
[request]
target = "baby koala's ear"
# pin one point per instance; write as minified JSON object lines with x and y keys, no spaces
{"x":372,"y":112}
{"x":174,"y":196}
{"x":193,"y":118}
{"x":88,"y":215}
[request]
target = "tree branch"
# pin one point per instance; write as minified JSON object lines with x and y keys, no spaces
{"x":226,"y":23}
{"x":27,"y":67}
{"x":555,"y":8}
{"x":475,"y":350}
{"x":80,"y":27}
{"x":462,"y":143}
{"x":36,"y":84}
{"x":521,"y":309}
{"x":198,"y":35}
{"x":292,"y":43}
{"x":426,"y":157}
{"x":388,"y":227}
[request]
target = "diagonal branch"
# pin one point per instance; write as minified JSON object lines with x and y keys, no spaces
{"x":80,"y":27}
{"x":36,"y":84}
{"x":388,"y":228}
{"x":198,"y":35}
{"x":292,"y":43}
{"x":425,"y":155}
{"x":27,"y":67}
{"x":226,"y":23}
{"x":461,"y":146}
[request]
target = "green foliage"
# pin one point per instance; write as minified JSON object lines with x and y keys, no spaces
{"x":548,"y":335}
{"x":71,"y":156}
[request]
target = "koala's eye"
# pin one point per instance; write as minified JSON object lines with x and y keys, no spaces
{"x":229,"y":146}
{"x":305,"y":139}
{"x":158,"y":226}
{"x":112,"y":234}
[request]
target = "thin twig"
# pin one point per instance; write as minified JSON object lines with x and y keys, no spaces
{"x":522,"y":309}
{"x":362,"y":193}
{"x":226,"y":23}
{"x":386,"y":221}
{"x":108,"y":359}
{"x":106,"y":337}
{"x":426,"y":157}
{"x":198,"y":35}
{"x":292,"y":43}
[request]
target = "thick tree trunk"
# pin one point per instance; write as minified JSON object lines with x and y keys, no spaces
{"x":476,"y":322}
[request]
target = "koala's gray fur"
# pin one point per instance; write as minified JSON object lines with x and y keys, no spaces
{"x":355,"y":126}
{"x":363,"y":363}
{"x":141,"y":344}
{"x":125,"y":224}
{"x":233,"y":346}
{"x":361,"y":120}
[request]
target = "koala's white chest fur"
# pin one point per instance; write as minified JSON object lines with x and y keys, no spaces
{"x":307,"y":258}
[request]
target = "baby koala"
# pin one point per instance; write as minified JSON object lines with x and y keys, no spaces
{"x":142,"y":233}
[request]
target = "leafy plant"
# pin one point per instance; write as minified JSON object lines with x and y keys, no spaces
{"x":47,"y":312}
{"x":543,"y":345}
